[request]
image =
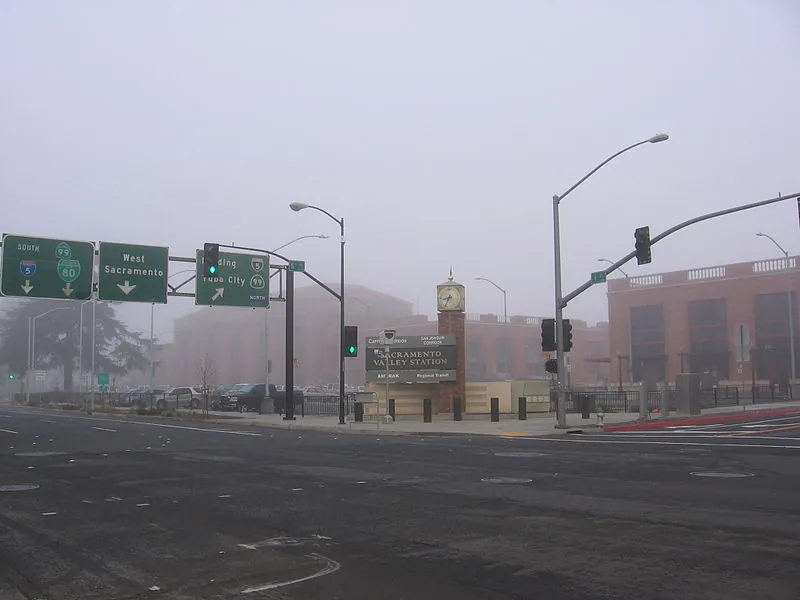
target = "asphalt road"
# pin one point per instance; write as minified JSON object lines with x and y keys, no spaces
{"x":137,"y":508}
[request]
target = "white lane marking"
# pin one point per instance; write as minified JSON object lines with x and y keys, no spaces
{"x":331,"y":566}
{"x":660,"y":443}
{"x":224,"y":496}
{"x":48,"y":421}
{"x":104,"y":429}
{"x":5,"y":416}
{"x":9,"y":431}
{"x":168,"y":426}
{"x":764,"y":425}
{"x":143,"y":504}
{"x":49,"y":514}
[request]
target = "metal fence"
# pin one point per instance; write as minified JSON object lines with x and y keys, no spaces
{"x":324,"y":404}
{"x":628,"y":400}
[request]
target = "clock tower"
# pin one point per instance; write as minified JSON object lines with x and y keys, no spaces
{"x":451,"y":304}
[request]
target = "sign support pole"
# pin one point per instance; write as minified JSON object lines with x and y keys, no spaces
{"x":94,"y":351}
{"x":387,"y":350}
{"x":289,"y":367}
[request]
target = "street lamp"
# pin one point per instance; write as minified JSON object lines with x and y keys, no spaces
{"x":505,"y":296}
{"x":791,"y":309}
{"x":561,"y":406}
{"x":605,"y":260}
{"x":298,"y":206}
{"x":32,"y":346}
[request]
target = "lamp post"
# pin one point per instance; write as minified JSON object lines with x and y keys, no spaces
{"x":32,"y":345}
{"x":320,"y":236}
{"x":605,"y":260}
{"x":560,"y":388}
{"x":790,"y":309}
{"x":298,"y":206}
{"x":505,"y":296}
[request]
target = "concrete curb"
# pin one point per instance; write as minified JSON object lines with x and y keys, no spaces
{"x":718,"y":418}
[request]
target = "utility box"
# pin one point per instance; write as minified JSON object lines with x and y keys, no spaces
{"x":687,"y":394}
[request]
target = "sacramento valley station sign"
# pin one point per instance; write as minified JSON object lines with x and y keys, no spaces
{"x":412,"y":359}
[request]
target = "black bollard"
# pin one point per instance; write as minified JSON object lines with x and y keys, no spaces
{"x":457,"y":416}
{"x":427,"y":410}
{"x":523,"y":408}
{"x":358,"y":410}
{"x":495,"y":409}
{"x":392,"y":412}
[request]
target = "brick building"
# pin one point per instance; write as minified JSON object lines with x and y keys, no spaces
{"x":235,"y":340}
{"x":711,"y":320}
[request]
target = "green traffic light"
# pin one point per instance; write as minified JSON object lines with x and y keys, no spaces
{"x":11,"y":376}
{"x":352,"y":349}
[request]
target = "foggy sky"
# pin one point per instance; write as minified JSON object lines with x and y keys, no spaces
{"x":439,"y":129}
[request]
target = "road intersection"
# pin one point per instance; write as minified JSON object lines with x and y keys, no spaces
{"x":110,"y":508}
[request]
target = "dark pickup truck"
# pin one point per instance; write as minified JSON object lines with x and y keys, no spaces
{"x":246,"y":397}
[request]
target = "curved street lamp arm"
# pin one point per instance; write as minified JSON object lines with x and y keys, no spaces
{"x":490,"y":281}
{"x":598,"y":167}
{"x":772,"y":239}
{"x":325,"y":212}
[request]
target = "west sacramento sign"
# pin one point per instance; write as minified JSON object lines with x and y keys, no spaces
{"x":412,"y":359}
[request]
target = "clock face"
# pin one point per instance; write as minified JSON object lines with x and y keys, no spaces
{"x":449,"y":298}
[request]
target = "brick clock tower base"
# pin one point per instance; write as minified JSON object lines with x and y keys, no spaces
{"x":452,"y":317}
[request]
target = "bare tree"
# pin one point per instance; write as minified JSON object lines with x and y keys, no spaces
{"x":208,"y":374}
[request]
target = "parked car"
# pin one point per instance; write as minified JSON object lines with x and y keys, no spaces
{"x":242,"y":397}
{"x":220,"y":400}
{"x":187,"y":396}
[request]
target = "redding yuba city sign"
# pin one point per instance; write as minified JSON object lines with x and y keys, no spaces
{"x":412,"y":359}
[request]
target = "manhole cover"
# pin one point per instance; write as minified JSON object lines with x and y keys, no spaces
{"x":721,"y":475}
{"x":38,"y":454}
{"x":506,"y":480}
{"x":520,"y":454}
{"x":18,"y":487}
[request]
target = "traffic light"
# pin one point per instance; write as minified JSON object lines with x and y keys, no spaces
{"x":210,"y":260}
{"x":642,"y":237}
{"x":551,"y":366}
{"x":548,"y":335}
{"x":12,"y":376}
{"x":350,"y":341}
{"x":567,"y":335}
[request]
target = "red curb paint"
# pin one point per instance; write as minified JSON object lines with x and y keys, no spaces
{"x":701,"y":420}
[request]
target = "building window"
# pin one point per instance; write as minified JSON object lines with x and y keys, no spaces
{"x":504,"y":359}
{"x":534,"y":365}
{"x":772,"y":348}
{"x":476,"y":367}
{"x":708,"y":338}
{"x":648,"y":360}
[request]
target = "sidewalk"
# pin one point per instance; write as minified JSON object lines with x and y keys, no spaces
{"x":509,"y":425}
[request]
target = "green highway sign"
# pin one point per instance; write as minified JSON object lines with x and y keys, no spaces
{"x":242,"y":280}
{"x":35,"y":267}
{"x":599,"y":277}
{"x":299,"y":266}
{"x":133,"y":273}
{"x":102,"y":379}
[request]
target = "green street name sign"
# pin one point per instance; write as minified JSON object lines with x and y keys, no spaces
{"x":102,"y":379}
{"x":599,"y":277}
{"x":242,"y":280}
{"x":298,"y":266}
{"x":130,"y":273}
{"x":46,"y":268}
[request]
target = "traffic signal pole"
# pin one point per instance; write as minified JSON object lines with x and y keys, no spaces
{"x":631,"y":255}
{"x":559,"y":301}
{"x":289,"y":369}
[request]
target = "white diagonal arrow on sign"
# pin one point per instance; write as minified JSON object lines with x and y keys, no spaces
{"x":67,"y":289}
{"x":127,"y":288}
{"x":27,"y":287}
{"x":218,"y":293}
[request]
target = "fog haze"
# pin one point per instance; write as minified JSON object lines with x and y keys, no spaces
{"x":439,"y":130}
